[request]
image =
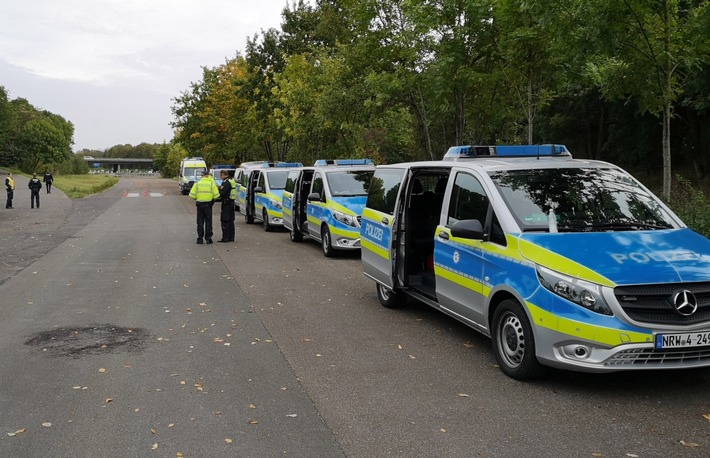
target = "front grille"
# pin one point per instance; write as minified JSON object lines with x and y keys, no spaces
{"x":654,"y":303}
{"x":660,"y":358}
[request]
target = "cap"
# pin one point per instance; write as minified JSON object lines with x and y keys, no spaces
{"x":205,"y":172}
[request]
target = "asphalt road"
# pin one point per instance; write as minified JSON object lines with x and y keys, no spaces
{"x":136,"y":363}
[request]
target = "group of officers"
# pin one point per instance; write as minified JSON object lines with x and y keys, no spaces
{"x":34,"y":185}
{"x":206,"y":192}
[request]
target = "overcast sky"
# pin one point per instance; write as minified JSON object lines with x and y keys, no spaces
{"x":112,"y":67}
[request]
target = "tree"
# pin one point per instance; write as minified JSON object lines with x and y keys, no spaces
{"x":43,"y":140}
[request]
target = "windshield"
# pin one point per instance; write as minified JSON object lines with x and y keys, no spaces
{"x":579,"y":200}
{"x":277,"y":180}
{"x":191,"y":172}
{"x":349,"y":183}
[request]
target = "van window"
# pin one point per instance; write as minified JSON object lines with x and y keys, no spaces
{"x":318,"y":184}
{"x":276,"y":179}
{"x":384,"y":188}
{"x":468,"y":200}
{"x":290,"y":185}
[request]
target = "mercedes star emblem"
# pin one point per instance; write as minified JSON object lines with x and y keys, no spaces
{"x":685,"y":303}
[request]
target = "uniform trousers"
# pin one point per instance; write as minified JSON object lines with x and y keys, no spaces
{"x":226,"y":217}
{"x":204,"y":220}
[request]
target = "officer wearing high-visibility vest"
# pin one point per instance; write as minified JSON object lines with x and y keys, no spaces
{"x":205,"y":192}
{"x":10,"y":188}
{"x":227,"y":194}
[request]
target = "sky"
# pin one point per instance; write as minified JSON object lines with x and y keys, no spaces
{"x":112,"y":67}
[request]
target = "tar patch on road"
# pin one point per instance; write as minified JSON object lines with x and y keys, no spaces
{"x":76,"y":342}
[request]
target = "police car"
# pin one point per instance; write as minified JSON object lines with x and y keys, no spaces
{"x":260,"y":191}
{"x":216,"y":172}
{"x":324,"y":202}
{"x":562,"y":262}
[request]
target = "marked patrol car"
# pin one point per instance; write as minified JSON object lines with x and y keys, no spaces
{"x":324,"y":202}
{"x":216,"y":171}
{"x":562,"y":262}
{"x":261,"y":190}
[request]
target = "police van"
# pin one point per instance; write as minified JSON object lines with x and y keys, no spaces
{"x":191,"y":169}
{"x":260,"y":192}
{"x":325,"y":202}
{"x":216,"y":172}
{"x":562,"y":262}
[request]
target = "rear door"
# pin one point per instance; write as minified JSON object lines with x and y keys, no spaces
{"x":287,"y":198}
{"x":379,"y":219}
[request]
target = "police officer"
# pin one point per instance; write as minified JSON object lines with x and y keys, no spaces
{"x":227,"y":194}
{"x":10,"y":188}
{"x":204,"y":192}
{"x":48,"y":180}
{"x":35,"y":186}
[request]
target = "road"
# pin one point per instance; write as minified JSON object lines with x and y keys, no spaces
{"x":160,"y":347}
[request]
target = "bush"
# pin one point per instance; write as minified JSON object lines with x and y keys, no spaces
{"x":691,"y":205}
{"x":75,"y":165}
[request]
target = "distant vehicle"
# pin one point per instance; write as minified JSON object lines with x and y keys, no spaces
{"x":260,"y":192}
{"x":191,"y":169}
{"x":89,"y":158}
{"x":217,"y":170}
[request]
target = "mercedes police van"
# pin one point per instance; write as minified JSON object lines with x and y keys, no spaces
{"x":562,"y":262}
{"x":191,"y":169}
{"x":260,"y":193}
{"x":324,"y":202}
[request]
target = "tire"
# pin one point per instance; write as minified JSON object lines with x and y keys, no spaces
{"x":514,"y":343}
{"x":390,"y":298}
{"x":267,"y":227}
{"x":327,"y":243}
{"x":249,"y":219}
{"x":295,"y":235}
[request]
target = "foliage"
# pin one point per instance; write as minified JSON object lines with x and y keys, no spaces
{"x":75,"y":165}
{"x":691,"y":205}
{"x":167,"y":159}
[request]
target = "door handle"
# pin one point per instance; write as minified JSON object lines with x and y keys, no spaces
{"x":385,"y":221}
{"x":444,"y":235}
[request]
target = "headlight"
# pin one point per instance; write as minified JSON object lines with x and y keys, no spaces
{"x":275,"y":203}
{"x":588,"y":295}
{"x":345,"y":219}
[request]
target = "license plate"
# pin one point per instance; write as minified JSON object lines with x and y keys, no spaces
{"x":686,"y":340}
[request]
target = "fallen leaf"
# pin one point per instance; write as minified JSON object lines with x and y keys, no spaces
{"x":412,"y":357}
{"x":152,"y":430}
{"x":707,"y":416}
{"x":596,"y":454}
{"x":46,"y":424}
{"x":171,"y":425}
{"x":399,"y":347}
{"x":254,"y":422}
{"x":154,"y":446}
{"x":463,"y":395}
{"x":216,"y":412}
{"x":180,"y":455}
{"x":228,"y":440}
{"x":108,"y":400}
{"x":292,"y":415}
{"x":76,"y":387}
{"x":442,"y":430}
{"x":252,"y":406}
{"x":689,"y":444}
{"x":136,"y":410}
{"x":102,"y":370}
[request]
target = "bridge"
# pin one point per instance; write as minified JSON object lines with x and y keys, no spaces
{"x":115,"y":163}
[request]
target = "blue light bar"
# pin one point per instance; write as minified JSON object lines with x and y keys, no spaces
{"x":464,"y":152}
{"x":217,"y":167}
{"x":343,"y":162}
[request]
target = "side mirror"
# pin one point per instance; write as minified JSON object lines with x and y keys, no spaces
{"x":468,"y":229}
{"x":314,"y":196}
{"x":258,"y":189}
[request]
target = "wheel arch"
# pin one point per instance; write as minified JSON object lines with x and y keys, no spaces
{"x":500,"y":294}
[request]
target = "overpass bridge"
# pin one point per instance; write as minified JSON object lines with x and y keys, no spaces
{"x":116,"y":163}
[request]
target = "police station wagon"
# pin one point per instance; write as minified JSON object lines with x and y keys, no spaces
{"x":562,"y":262}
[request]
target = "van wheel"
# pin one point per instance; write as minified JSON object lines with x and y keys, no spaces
{"x":513,"y":342}
{"x":295,"y":235}
{"x":248,"y":218}
{"x":267,"y":227}
{"x":327,"y":243}
{"x":390,"y":298}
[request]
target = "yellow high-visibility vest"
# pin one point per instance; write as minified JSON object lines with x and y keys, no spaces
{"x":204,"y":190}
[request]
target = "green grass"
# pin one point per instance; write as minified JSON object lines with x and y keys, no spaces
{"x":78,"y":186}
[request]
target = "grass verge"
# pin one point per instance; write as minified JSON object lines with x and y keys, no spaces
{"x":78,"y":186}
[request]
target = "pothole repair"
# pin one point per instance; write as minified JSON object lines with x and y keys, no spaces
{"x":89,"y":340}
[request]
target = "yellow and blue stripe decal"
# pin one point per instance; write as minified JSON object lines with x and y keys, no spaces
{"x":374,"y":236}
{"x":319,"y":212}
{"x":263,"y":200}
{"x":467,"y":263}
{"x":287,"y":204}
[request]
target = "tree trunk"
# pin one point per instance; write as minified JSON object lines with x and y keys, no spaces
{"x":667,"y":92}
{"x":531,"y":114}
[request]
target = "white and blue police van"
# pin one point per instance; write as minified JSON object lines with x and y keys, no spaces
{"x":325,"y":203}
{"x":562,"y":262}
{"x":261,"y":190}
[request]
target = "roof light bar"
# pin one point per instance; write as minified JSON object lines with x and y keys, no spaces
{"x":343,"y":162}
{"x":466,"y":152}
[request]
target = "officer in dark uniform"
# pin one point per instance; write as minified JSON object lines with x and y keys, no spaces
{"x":48,"y":180}
{"x":226,"y":217}
{"x":35,"y":187}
